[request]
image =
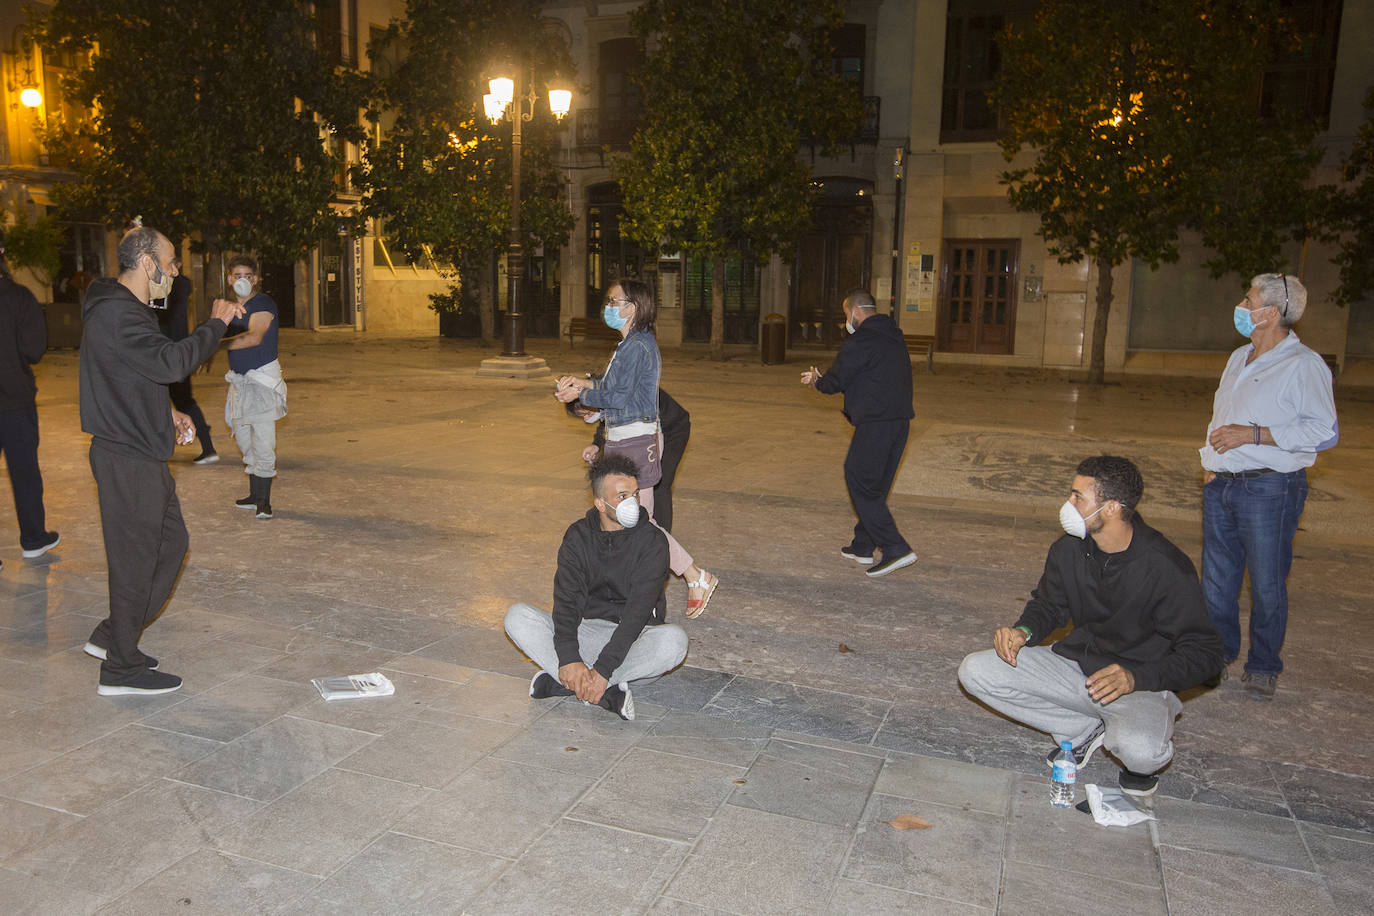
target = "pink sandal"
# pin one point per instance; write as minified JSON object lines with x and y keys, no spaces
{"x":697,"y":606}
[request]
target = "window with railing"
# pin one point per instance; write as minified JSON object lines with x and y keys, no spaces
{"x":337,"y":31}
{"x":1300,"y":80}
{"x":621,"y":103}
{"x":972,"y":61}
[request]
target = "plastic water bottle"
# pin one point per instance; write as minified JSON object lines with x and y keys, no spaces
{"x":1065,"y":774}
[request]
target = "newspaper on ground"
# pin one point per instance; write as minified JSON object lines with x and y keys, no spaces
{"x":353,"y":686}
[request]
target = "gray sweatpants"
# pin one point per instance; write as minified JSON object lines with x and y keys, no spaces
{"x":1047,"y":692}
{"x":658,"y":649}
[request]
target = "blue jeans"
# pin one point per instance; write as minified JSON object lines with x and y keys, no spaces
{"x":1249,"y":525}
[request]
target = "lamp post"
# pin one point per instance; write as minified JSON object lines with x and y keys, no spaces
{"x":497,"y":104}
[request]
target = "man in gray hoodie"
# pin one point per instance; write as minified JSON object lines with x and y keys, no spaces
{"x":126,"y":366}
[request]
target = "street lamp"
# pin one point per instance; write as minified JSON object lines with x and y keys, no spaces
{"x":503,"y":92}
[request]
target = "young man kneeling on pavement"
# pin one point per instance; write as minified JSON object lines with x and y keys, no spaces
{"x":607,"y":624}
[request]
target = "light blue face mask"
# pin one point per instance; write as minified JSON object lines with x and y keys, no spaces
{"x":611,"y":315}
{"x":1245,"y":325}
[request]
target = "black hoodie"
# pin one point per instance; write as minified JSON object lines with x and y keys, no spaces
{"x":23,"y":338}
{"x":126,"y":366}
{"x":610,"y":575}
{"x":1141,"y":608}
{"x":874,"y":372}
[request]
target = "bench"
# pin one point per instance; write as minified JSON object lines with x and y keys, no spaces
{"x":591,"y":329}
{"x":921,"y":345}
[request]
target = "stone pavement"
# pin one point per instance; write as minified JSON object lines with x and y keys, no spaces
{"x":415,"y":502}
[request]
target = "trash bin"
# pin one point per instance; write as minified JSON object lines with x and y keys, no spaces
{"x":774,"y":339}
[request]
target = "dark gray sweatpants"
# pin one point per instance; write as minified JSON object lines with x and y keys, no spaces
{"x":145,"y":542}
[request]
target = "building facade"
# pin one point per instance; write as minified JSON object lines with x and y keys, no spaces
{"x":912,"y":208}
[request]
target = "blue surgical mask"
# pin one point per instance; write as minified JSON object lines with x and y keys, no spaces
{"x":1245,"y":325}
{"x":611,"y":315}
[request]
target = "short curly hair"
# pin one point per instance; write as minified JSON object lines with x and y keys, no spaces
{"x":1115,"y":479}
{"x":606,"y":465}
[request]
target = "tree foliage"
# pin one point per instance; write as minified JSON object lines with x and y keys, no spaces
{"x":1351,"y":214}
{"x":1143,"y":120}
{"x":209,"y":119}
{"x":34,"y":245}
{"x":731,"y":88}
{"x":440,"y":177}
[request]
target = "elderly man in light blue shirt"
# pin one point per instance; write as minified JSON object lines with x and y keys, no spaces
{"x":1272,"y":413}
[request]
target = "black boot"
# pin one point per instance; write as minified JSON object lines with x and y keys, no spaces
{"x":265,"y":490}
{"x":254,"y":497}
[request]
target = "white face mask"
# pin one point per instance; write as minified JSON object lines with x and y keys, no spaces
{"x":242,"y":287}
{"x":1072,"y":522}
{"x":592,"y":417}
{"x":627,"y":513}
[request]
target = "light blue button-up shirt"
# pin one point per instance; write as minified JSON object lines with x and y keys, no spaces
{"x":1287,"y":390}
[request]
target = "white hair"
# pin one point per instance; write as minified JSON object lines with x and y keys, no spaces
{"x":1283,"y":291}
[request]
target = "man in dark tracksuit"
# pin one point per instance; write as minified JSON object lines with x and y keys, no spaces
{"x":23,"y":340}
{"x":874,"y":372}
{"x":126,"y":366}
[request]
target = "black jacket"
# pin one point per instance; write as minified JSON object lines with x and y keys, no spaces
{"x":609,"y":575}
{"x":874,"y":372}
{"x":1141,"y":608}
{"x":126,"y":366}
{"x":23,"y":339}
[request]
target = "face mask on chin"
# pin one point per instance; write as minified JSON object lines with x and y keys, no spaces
{"x":1072,"y":522}
{"x":160,"y":287}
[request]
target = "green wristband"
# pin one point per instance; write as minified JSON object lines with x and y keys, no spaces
{"x":1024,"y":629}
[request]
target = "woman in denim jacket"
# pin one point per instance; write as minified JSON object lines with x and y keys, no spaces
{"x":627,"y":396}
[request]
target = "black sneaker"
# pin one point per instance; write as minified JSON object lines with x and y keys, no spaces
{"x":145,"y":684}
{"x":1136,"y":784}
{"x":208,"y":456}
{"x":52,"y":539}
{"x":545,"y":685}
{"x":858,"y":556}
{"x":1259,"y":686}
{"x":619,"y":701}
{"x":891,"y":565}
{"x":95,"y":651}
{"x":1083,"y":752}
{"x":265,"y":510}
{"x":248,"y":502}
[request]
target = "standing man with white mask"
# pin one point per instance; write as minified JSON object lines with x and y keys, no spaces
{"x":257,"y":392}
{"x":126,"y":366}
{"x":607,"y":624}
{"x":1140,"y":633}
{"x":874,"y":372}
{"x":1273,"y":411}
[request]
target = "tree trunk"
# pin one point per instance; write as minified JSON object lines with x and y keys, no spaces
{"x":718,"y":309}
{"x":486,"y":291}
{"x":1097,"y":368}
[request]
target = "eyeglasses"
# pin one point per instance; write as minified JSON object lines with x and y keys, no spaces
{"x":611,"y":300}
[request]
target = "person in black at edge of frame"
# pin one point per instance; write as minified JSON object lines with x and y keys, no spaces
{"x":171,"y":320}
{"x":23,"y":341}
{"x":677,"y":429}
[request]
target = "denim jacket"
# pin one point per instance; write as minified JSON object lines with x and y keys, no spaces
{"x":628,"y":392}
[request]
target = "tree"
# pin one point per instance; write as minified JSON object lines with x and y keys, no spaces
{"x":440,"y":177}
{"x":1350,"y":214}
{"x":209,"y":119}
{"x":1142,"y":118}
{"x":731,"y":88}
{"x":35,"y":246}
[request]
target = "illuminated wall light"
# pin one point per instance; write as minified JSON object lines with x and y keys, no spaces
{"x":31,"y":98}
